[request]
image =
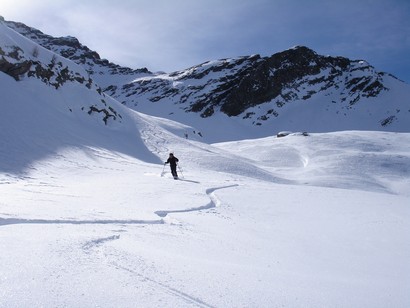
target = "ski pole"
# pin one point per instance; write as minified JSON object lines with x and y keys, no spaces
{"x":163,"y":168}
{"x":180,"y":170}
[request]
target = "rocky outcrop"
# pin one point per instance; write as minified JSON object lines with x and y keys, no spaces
{"x":17,"y":66}
{"x":285,"y":76}
{"x":254,"y":88}
{"x":24,"y":64}
{"x":107,"y":112}
{"x":54,"y":74}
{"x":236,"y":86}
{"x":69,"y":47}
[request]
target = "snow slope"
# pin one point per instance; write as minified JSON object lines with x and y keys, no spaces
{"x":101,"y":228}
{"x":86,"y":219}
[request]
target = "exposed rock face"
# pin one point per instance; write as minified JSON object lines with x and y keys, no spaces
{"x":14,"y":68}
{"x":53,"y":71}
{"x":253,"y":88}
{"x":233,"y":86}
{"x":16,"y":65}
{"x":284,"y":77}
{"x":70,"y":48}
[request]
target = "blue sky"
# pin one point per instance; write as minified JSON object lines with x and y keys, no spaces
{"x":165,"y":35}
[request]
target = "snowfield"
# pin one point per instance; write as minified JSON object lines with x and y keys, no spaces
{"x":91,"y":217}
{"x":317,"y":221}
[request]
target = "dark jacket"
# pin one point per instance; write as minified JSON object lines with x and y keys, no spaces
{"x":172,"y":160}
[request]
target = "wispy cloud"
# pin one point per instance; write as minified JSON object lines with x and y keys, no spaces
{"x":171,"y":35}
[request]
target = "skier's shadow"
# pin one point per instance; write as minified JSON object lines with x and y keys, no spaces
{"x":190,"y":181}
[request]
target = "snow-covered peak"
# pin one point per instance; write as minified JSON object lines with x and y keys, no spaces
{"x":296,"y":89}
{"x":104,"y":72}
{"x":251,"y":96}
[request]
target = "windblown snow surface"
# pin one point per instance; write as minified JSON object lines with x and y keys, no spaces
{"x":91,"y":217}
{"x":298,"y":221}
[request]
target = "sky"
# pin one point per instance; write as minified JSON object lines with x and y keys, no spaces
{"x":168,"y":36}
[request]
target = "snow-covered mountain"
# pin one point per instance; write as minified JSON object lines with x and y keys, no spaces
{"x":251,"y":96}
{"x":49,"y":105}
{"x":105,"y":73}
{"x":42,"y":93}
{"x":293,"y":90}
{"x":90,"y":216}
{"x":23,"y":59}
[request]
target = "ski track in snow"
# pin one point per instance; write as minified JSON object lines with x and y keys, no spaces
{"x":97,"y":242}
{"x":215,"y":202}
{"x":149,"y":135}
{"x":168,"y":289}
{"x":15,"y":221}
{"x":94,"y":247}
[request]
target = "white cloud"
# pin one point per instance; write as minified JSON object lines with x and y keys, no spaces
{"x":171,"y":35}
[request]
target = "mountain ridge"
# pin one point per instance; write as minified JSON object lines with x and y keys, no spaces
{"x":295,"y":89}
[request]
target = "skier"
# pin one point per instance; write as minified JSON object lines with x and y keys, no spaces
{"x":172,"y":160}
